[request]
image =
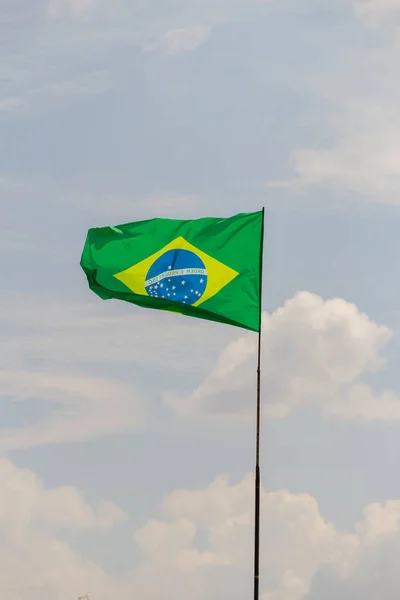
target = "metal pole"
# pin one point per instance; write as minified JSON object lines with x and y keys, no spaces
{"x":258,"y":424}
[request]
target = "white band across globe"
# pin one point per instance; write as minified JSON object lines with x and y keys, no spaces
{"x":175,"y":273}
{"x":178,"y":276}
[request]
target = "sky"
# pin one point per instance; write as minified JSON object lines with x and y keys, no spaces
{"x":126,"y":436}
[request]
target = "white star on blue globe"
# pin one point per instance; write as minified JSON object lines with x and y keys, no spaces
{"x":185,"y":270}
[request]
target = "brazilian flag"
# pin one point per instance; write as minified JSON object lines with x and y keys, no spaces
{"x":208,"y":268}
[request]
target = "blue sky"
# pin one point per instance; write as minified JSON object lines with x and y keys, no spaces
{"x":127,"y":437}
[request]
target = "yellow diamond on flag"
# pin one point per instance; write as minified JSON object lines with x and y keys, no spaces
{"x":178,"y":272}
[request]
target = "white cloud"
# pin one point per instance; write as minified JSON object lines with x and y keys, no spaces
{"x":57,"y":377}
{"x":296,"y":540}
{"x":80,"y":407}
{"x":56,"y":94}
{"x":365,"y":162}
{"x":355,"y":131}
{"x":74,"y":7}
{"x":187,"y":24}
{"x":200,"y":546}
{"x":379,"y":13}
{"x":36,"y":562}
{"x":11,"y":104}
{"x":180,"y":40}
{"x":24,"y":502}
{"x":51,"y":60}
{"x":315,"y":353}
{"x":72,"y":372}
{"x":48,"y":66}
{"x":297,"y":545}
{"x":63,"y":335}
{"x":363,"y":155}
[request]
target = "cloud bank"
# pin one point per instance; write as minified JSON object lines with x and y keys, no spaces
{"x":200,"y":545}
{"x":315,"y":353}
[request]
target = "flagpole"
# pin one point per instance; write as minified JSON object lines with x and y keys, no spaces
{"x":258,"y":427}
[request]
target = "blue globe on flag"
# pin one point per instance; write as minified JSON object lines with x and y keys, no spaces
{"x":178,"y":275}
